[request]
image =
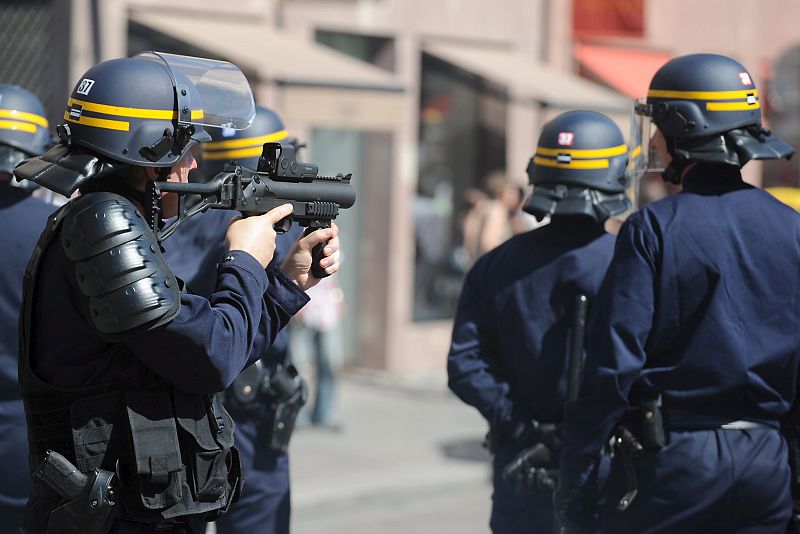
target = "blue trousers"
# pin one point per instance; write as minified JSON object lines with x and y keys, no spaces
{"x":731,"y":481}
{"x":513,"y":513}
{"x":15,"y":483}
{"x":264,"y":506}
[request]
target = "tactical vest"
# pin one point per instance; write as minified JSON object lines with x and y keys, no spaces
{"x":172,"y":451}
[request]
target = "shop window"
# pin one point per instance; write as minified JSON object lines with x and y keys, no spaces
{"x":462,"y":142}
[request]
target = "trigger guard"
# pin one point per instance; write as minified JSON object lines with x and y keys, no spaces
{"x":284,"y":225}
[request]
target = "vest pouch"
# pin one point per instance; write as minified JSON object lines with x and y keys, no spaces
{"x":99,"y":431}
{"x":158,"y":478}
{"x":205,"y":425}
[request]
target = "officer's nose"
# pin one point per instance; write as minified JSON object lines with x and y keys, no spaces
{"x":192,"y":163}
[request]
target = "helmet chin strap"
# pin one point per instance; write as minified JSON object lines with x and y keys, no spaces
{"x":673,"y":173}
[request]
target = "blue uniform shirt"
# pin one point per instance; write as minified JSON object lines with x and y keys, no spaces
{"x":202,"y":350}
{"x":508,"y":356}
{"x":701,"y":304}
{"x":198,"y":245}
{"x":22,"y":218}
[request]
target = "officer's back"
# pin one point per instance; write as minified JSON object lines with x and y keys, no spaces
{"x":525,"y":289}
{"x":510,"y":352}
{"x":726,"y":298}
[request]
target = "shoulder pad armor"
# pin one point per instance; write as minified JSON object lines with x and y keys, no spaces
{"x":116,"y":266}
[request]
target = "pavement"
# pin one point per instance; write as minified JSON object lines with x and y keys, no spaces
{"x":405,"y":458}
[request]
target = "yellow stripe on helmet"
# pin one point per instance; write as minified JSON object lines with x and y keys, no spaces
{"x":273,"y":137}
{"x":24,"y":116}
{"x":99,"y":123}
{"x":583,"y":153}
{"x":574,"y":164}
{"x":229,"y":155}
{"x":18,"y":125}
{"x":702,"y":95}
{"x":732,"y":106}
{"x":134,"y":113}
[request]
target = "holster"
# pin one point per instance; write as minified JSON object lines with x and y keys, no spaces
{"x":274,"y":396}
{"x":288,"y":393}
{"x":645,"y":420}
{"x":87,"y":500}
{"x":641,"y":430}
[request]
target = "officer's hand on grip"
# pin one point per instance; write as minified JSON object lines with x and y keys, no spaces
{"x":297,"y":264}
{"x":256,"y":235}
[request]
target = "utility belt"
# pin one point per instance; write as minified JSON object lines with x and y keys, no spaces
{"x":644,"y":429}
{"x":151,"y":455}
{"x":275,"y":395}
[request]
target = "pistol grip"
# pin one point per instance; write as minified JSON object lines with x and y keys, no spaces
{"x":316,"y":256}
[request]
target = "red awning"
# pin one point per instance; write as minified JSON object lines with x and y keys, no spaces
{"x":627,"y":70}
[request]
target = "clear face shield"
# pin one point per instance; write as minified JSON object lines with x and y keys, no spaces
{"x":648,"y":152}
{"x":225,"y":95}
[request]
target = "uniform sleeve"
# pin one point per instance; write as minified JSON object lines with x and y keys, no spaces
{"x":211,"y":340}
{"x":618,"y":330}
{"x":470,"y":367}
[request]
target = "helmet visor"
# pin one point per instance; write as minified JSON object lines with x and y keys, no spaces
{"x":222,"y":88}
{"x":651,"y":152}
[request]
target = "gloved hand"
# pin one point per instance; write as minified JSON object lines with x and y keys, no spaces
{"x":532,"y":471}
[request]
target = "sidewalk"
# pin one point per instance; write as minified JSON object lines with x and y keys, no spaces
{"x":405,"y":460}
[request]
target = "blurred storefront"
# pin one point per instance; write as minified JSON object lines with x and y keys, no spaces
{"x":422,"y":101}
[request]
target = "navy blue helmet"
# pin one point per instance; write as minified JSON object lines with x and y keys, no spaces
{"x":579,"y":168}
{"x":23,"y":126}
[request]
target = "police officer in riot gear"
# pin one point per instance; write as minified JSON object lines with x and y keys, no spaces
{"x":693,"y":351}
{"x":510,"y":347}
{"x":23,"y":133}
{"x":119,"y":367}
{"x":193,"y":254}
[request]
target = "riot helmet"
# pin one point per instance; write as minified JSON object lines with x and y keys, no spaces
{"x":242,"y":146}
{"x":144,"y":111}
{"x":23,"y":127}
{"x":579,"y":168}
{"x":707,"y":108}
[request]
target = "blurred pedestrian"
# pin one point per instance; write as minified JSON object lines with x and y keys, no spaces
{"x":321,"y":317}
{"x":509,"y":352}
{"x":491,"y":217}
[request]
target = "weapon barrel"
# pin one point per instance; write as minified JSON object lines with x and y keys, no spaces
{"x":340,"y":192}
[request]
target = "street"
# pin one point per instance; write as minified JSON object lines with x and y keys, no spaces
{"x":404,"y":460}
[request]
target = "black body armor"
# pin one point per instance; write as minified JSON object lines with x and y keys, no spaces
{"x":171,"y":452}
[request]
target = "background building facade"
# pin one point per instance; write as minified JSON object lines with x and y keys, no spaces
{"x":421,"y":101}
